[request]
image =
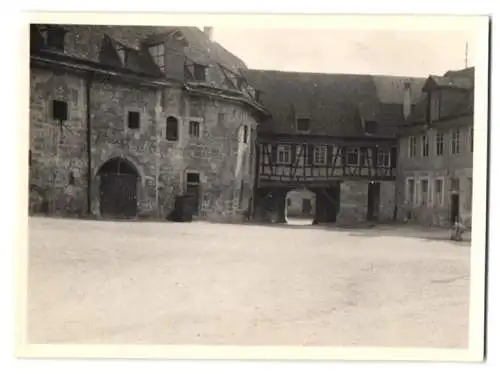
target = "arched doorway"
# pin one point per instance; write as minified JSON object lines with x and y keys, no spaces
{"x":300,"y":206}
{"x":118,"y":188}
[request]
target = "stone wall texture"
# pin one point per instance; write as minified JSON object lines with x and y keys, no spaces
{"x":220,"y":155}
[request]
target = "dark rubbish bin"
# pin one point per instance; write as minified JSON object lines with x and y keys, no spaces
{"x":182,"y":209}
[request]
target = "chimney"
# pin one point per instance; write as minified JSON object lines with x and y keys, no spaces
{"x":208,"y":32}
{"x":406,"y":100}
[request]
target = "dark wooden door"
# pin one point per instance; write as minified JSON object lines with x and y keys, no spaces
{"x":373,"y":201}
{"x":193,"y":191}
{"x":454,"y":207}
{"x":118,"y":195}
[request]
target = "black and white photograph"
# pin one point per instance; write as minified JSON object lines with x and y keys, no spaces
{"x":204,"y":186}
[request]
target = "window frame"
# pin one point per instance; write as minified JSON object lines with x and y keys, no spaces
{"x":303,"y":119}
{"x":284,"y":150}
{"x":382,"y":154}
{"x":157,"y":53}
{"x":410,"y":198}
{"x":423,"y":201}
{"x":438,"y":201}
{"x":412,"y":146}
{"x":350,"y":151}
{"x":424,"y":139}
{"x":455,"y":142}
{"x":132,"y":112}
{"x":439,"y":143}
{"x":178,"y":129}
{"x":320,"y":154}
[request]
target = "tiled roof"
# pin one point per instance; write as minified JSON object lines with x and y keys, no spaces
{"x":334,"y":103}
{"x":457,"y":95}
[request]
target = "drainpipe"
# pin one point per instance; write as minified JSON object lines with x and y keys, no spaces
{"x":89,"y":144}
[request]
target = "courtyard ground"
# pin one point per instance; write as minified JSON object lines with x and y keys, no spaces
{"x":200,"y":283}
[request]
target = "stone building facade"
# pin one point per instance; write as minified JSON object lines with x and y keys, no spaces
{"x":164,"y":107}
{"x":435,"y":152}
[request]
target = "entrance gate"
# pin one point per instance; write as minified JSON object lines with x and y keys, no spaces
{"x":118,"y":189}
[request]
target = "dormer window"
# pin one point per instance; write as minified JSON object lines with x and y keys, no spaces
{"x":157,"y":52}
{"x":199,"y":72}
{"x":54,"y":37}
{"x":371,"y":127}
{"x":257,"y":95}
{"x":122,"y":54}
{"x":303,"y":124}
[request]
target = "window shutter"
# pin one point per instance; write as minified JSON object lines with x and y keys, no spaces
{"x":394,"y":157}
{"x":274,"y":153}
{"x":329,"y":154}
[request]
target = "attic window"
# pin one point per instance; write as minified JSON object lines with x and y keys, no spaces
{"x":303,"y":124}
{"x":371,"y":127}
{"x":199,"y":72}
{"x":157,"y":52}
{"x":59,"y":110}
{"x":54,"y":38}
{"x":257,"y":95}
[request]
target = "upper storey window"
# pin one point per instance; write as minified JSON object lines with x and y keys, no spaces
{"x":200,"y":72}
{"x":157,"y":52}
{"x":54,"y":37}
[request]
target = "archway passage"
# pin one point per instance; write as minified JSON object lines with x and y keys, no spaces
{"x":118,"y":188}
{"x":300,"y":207}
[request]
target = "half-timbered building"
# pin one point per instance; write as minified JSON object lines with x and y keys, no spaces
{"x":335,"y":135}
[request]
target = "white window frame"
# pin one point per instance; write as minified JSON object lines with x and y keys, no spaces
{"x":425,"y":145}
{"x":284,"y":154}
{"x":438,"y":201}
{"x":410,"y":200}
{"x":352,"y":150}
{"x":412,"y":146}
{"x":384,"y":158}
{"x":319,"y":154}
{"x":440,"y":141}
{"x":455,"y":142}
{"x":424,"y":200}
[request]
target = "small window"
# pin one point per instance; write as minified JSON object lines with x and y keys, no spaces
{"x":54,"y":38}
{"x":353,"y":156}
{"x":172,"y":129}
{"x":284,"y":154}
{"x":199,"y":72}
{"x":133,"y":120}
{"x":245,"y":134}
{"x":157,"y":52}
{"x":221,"y":119}
{"x":320,"y":155}
{"x":384,"y":158}
{"x":371,"y":127}
{"x":439,"y":143}
{"x":425,"y":146}
{"x":455,"y":142}
{"x":71,"y":178}
{"x":303,"y":124}
{"x":412,"y":146}
{"x":59,"y":110}
{"x":193,"y":178}
{"x":194,"y":129}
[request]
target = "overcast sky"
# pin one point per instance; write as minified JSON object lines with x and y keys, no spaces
{"x":402,"y":53}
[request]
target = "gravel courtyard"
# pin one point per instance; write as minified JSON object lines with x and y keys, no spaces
{"x":200,"y":283}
